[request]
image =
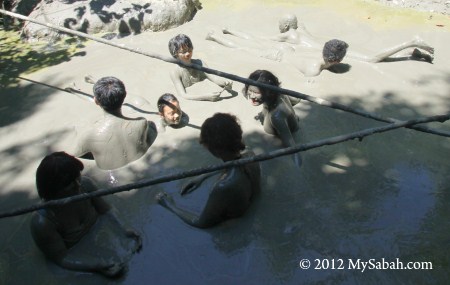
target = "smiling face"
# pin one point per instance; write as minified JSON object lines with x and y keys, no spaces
{"x":254,"y":95}
{"x":171,"y":114}
{"x":185,"y":54}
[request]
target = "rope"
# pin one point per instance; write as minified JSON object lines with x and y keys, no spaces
{"x":233,"y":77}
{"x":194,"y":172}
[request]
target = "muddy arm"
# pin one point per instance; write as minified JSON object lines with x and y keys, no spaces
{"x":285,"y":135}
{"x":181,"y":90}
{"x":52,"y":245}
{"x":211,"y":215}
{"x":109,"y":212}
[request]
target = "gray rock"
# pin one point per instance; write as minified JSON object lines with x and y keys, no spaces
{"x":109,"y":16}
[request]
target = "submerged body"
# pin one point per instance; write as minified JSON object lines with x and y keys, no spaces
{"x":277,"y":116}
{"x":297,"y":40}
{"x":57,"y":230}
{"x":114,"y":140}
{"x":182,"y":48}
{"x":235,"y":188}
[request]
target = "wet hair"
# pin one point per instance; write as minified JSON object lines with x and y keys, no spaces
{"x":334,"y":50}
{"x":165,"y":100}
{"x":110,"y":93}
{"x":178,"y":42}
{"x":222,"y":132}
{"x":56,"y":171}
{"x":291,"y":20}
{"x":267,"y":96}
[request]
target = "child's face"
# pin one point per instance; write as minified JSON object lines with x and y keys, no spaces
{"x":172,"y":114}
{"x":185,"y":54}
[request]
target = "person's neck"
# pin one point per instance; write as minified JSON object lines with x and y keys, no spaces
{"x":230,"y":156}
{"x":326,"y":65}
{"x":273,"y":105}
{"x":116,"y":113}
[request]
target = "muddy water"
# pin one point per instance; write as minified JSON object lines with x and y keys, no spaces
{"x":384,"y":197}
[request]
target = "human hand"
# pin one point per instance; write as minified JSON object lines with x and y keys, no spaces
{"x":163,"y":199}
{"x":228,"y":85}
{"x":137,"y":237}
{"x":215,"y":96}
{"x":113,"y":270}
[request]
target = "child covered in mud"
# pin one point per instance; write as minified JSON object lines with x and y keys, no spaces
{"x":58,"y":229}
{"x":277,"y":116}
{"x":170,"y":112}
{"x":181,"y":48}
{"x":114,"y":140}
{"x":235,"y":187}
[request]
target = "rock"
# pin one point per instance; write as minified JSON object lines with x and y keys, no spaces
{"x":109,"y":16}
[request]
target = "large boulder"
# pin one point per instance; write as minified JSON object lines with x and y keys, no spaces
{"x":110,"y":16}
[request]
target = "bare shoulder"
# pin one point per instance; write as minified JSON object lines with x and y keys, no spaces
{"x":176,"y":72}
{"x":88,"y":185}
{"x":312,"y":69}
{"x":40,"y":226}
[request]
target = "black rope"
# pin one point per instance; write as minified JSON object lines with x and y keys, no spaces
{"x":233,"y":77}
{"x":194,"y":172}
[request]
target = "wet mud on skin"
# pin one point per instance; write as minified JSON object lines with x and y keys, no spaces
{"x":384,"y":197}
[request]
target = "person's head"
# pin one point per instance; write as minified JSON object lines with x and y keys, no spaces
{"x":334,"y":51}
{"x":109,"y":93}
{"x":221,"y":134}
{"x":257,"y":95}
{"x":287,"y":22}
{"x":55,"y":172}
{"x":169,"y":109}
{"x":181,"y":47}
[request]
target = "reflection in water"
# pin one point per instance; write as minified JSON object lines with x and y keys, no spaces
{"x":408,"y":199}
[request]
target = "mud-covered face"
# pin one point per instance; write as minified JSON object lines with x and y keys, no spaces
{"x":283,"y":26}
{"x":254,"y":95}
{"x":185,"y":54}
{"x":172,"y":114}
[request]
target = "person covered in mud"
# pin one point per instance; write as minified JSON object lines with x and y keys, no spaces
{"x":298,"y":36}
{"x":170,"y":112}
{"x":290,"y":33}
{"x":181,"y":48}
{"x":114,"y":140}
{"x":300,"y":49}
{"x":310,"y":65}
{"x":277,"y":116}
{"x":58,"y":229}
{"x":333,"y":53}
{"x":235,"y":188}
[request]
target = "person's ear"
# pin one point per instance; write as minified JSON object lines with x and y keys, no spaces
{"x":95,"y":101}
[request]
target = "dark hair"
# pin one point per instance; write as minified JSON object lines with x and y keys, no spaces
{"x":110,"y":93}
{"x":165,"y":100}
{"x":222,"y":132}
{"x":268,"y":96}
{"x":334,"y":50}
{"x":178,"y":42}
{"x":55,"y":172}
